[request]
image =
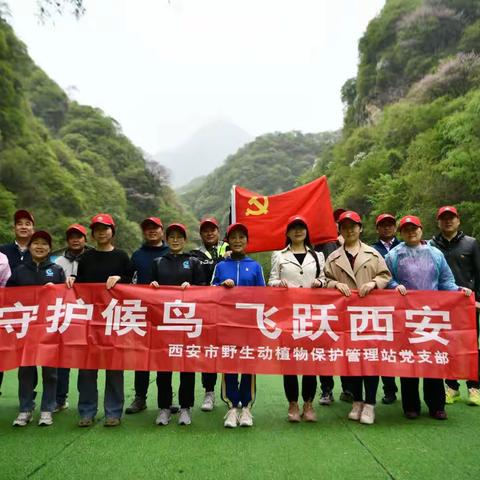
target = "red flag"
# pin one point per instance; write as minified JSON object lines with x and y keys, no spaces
{"x":266,"y":217}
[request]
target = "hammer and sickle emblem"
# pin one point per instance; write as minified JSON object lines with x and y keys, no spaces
{"x":261,"y":207}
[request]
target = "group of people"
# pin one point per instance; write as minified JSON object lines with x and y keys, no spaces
{"x":449,"y":261}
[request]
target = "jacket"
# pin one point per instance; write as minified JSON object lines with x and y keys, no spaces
{"x":29,"y":273}
{"x":5,"y":271}
{"x":419,"y":268}
{"x":245,"y":272}
{"x":285,"y":266}
{"x":369,"y":266}
{"x":171,"y":269}
{"x":208,"y":261}
{"x":463,"y":257}
{"x":380,"y":247}
{"x":14,"y":254}
{"x":68,"y":261}
{"x":142,"y":261}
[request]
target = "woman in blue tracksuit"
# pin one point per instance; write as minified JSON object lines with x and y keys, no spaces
{"x":238,"y":270}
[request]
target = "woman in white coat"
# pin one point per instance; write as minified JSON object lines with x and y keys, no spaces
{"x":298,"y":265}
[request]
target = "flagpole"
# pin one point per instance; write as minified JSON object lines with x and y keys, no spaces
{"x":232,"y":203}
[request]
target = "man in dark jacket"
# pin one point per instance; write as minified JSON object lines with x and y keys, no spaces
{"x":38,"y":270}
{"x":211,"y":252}
{"x":463,"y":257}
{"x":386,"y":230}
{"x":142,"y":261}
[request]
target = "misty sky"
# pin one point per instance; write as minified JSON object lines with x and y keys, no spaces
{"x":164,"y":68}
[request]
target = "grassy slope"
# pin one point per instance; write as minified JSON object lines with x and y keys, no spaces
{"x":273,"y":449}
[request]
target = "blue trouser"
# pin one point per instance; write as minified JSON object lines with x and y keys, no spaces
{"x":62,"y":385}
{"x":27,"y":381}
{"x":233,"y":393}
{"x":88,"y":393}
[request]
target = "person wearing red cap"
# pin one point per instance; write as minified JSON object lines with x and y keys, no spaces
{"x":39,"y":270}
{"x":109,"y":265}
{"x":415,"y":265}
{"x":357,"y":266}
{"x":18,"y":252}
{"x":386,"y":229}
{"x":212,"y":251}
{"x":183,"y":270}
{"x":238,"y":270}
{"x":463,"y":257}
{"x":76,"y":236}
{"x":298,"y":265}
{"x":152,"y":248}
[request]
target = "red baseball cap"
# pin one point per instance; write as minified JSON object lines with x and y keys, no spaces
{"x":384,"y":216}
{"x":409,"y":219}
{"x":296,"y":219}
{"x":102,"y":218}
{"x":176,"y":226}
{"x":445,"y":209}
{"x":236,"y":226}
{"x":209,"y":221}
{"x":76,"y":227}
{"x":155,"y":220}
{"x":337,"y":213}
{"x":19,"y":214}
{"x":350,"y":215}
{"x":41,"y":234}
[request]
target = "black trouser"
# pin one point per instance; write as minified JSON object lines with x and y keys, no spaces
{"x":186,"y":392}
{"x":346,"y":387}
{"x":142,"y":380}
{"x":208,"y":381}
{"x":356,"y":385}
{"x":433,"y":394}
{"x":63,"y":381}
{"x":389,"y":386}
{"x":1,"y":379}
{"x":326,"y":383}
{"x":309,"y":387}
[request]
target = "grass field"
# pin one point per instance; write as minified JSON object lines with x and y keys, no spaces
{"x":333,"y":448}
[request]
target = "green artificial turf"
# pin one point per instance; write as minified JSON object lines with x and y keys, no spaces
{"x":333,"y":448}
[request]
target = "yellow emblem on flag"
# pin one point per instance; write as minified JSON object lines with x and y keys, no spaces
{"x":261,"y":206}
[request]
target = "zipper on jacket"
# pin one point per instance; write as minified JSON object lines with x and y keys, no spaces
{"x":238,"y":272}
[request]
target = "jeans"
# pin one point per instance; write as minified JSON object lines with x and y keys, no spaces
{"x":63,"y":382}
{"x":88,"y":393}
{"x":27,"y":381}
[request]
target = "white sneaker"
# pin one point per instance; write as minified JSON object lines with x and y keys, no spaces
{"x":163,"y":417}
{"x":185,"y":417}
{"x":46,"y":419}
{"x":368,"y":414}
{"x":356,"y":411}
{"x":231,"y":418}
{"x":246,"y":419}
{"x":208,"y":402}
{"x":23,"y":419}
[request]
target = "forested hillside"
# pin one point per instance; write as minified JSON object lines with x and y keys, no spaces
{"x":270,"y":164}
{"x":65,"y":161}
{"x":411,"y":138}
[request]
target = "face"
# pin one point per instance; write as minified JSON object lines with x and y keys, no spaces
{"x":210,"y":235}
{"x":448,"y":223}
{"x":297,"y":233}
{"x":102,"y":234}
{"x":76,"y":241}
{"x":39,"y":249}
{"x":153,"y":233}
{"x":386,"y":230}
{"x":23,"y":229}
{"x":350,"y":231}
{"x":411,"y":234}
{"x":176,"y":240}
{"x":238,"y":241}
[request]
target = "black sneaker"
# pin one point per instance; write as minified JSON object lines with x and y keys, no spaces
{"x":389,"y":398}
{"x":346,"y":396}
{"x":136,"y":406}
{"x":326,"y":398}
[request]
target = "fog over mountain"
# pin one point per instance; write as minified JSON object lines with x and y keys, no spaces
{"x":204,"y":151}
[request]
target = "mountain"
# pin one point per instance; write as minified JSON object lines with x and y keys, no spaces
{"x":204,"y":151}
{"x":65,"y":161}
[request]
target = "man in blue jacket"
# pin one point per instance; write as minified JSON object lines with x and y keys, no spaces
{"x":142,"y":260}
{"x":386,"y":230}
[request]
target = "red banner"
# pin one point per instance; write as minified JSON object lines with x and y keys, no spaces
{"x":244,"y":329}
{"x":266,"y":217}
